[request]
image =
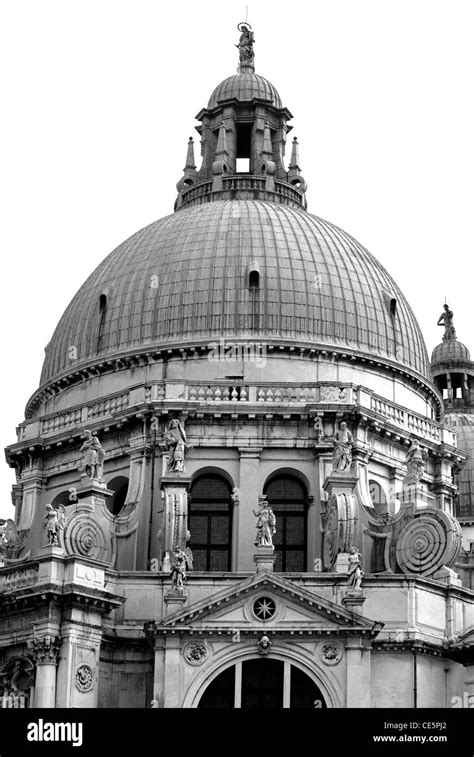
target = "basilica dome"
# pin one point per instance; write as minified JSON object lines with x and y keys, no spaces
{"x":238,"y":269}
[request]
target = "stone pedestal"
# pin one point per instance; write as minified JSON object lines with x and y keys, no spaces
{"x":174,"y":601}
{"x":342,"y":563}
{"x":354,"y":600}
{"x":175,"y":515}
{"x":414,"y":494}
{"x":264,"y":558}
{"x":340,"y":523}
{"x":91,"y":489}
{"x":52,"y":550}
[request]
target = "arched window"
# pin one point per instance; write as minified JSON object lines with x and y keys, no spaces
{"x":119,"y":486}
{"x":262,"y":684}
{"x":287,"y":497}
{"x":210,"y":523}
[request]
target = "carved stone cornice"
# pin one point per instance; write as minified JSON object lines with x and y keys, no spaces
{"x":45,"y":649}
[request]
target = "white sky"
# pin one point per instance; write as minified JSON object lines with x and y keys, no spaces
{"x":98,"y":100}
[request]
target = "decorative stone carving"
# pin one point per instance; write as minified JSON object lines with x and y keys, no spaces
{"x":245,"y":46}
{"x":354,"y":571}
{"x":331,"y":652}
{"x":16,"y":579}
{"x":93,"y":456}
{"x":264,"y":645}
{"x":264,"y":608}
{"x":446,"y":320}
{"x":195,"y":653}
{"x":9,"y":536}
{"x":266,"y":522}
{"x":45,"y":649}
{"x":415,"y":461}
{"x":431,"y":539}
{"x":343,"y":441}
{"x":84,"y":678}
{"x":338,"y":525}
{"x":53,"y":523}
{"x":235,"y":495}
{"x":17,"y":675}
{"x":175,"y":441}
{"x":86,"y":537}
{"x":332,"y":394}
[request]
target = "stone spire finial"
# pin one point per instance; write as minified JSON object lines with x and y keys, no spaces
{"x":190,"y":164}
{"x":294,"y":170}
{"x":190,"y":175}
{"x":245,"y":46}
{"x":446,"y":320}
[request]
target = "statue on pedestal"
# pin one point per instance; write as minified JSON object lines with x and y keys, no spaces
{"x":265,"y":525}
{"x":342,"y":456}
{"x":180,"y":562}
{"x":93,"y":456}
{"x":354,"y":572}
{"x":53,"y":523}
{"x":175,"y":441}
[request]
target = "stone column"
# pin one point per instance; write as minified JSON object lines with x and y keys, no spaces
{"x":32,"y":481}
{"x":45,"y":650}
{"x":172,"y":668}
{"x":358,"y":674}
{"x":245,"y":524}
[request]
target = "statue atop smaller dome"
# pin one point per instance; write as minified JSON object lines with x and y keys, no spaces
{"x":446,"y":320}
{"x":245,"y":47}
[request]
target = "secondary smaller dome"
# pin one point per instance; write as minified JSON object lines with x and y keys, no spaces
{"x":449,"y":351}
{"x":245,"y":86}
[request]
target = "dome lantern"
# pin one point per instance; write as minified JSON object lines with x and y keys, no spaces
{"x":243,"y":135}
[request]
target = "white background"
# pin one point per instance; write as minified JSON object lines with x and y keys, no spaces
{"x":98,"y":99}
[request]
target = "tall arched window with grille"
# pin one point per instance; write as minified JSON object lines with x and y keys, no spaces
{"x":288,"y":498}
{"x":210,"y":523}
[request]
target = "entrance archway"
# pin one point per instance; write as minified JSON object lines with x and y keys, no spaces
{"x":262,"y":683}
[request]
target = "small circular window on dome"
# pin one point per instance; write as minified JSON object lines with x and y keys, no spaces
{"x":264,"y":608}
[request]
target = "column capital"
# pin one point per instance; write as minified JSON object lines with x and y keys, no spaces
{"x":45,"y":649}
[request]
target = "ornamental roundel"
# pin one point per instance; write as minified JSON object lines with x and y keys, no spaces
{"x":84,"y":678}
{"x":331,"y":652}
{"x":195,"y":653}
{"x":264,"y":608}
{"x":430,"y":540}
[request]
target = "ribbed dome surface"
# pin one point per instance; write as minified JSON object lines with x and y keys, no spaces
{"x":245,"y":87}
{"x":448,"y":351}
{"x":184,"y":280}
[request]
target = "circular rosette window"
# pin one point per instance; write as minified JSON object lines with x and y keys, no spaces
{"x":264,"y":608}
{"x":430,"y":540}
{"x":86,"y":538}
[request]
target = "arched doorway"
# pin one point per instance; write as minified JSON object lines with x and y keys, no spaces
{"x":262,"y":683}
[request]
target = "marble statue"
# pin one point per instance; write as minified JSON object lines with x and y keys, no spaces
{"x":175,"y":441}
{"x":93,"y":456}
{"x":53,"y":523}
{"x":265,"y":525}
{"x":342,"y":456}
{"x":246,"y":42}
{"x":415,"y":461}
{"x":179,"y":564}
{"x":446,"y":320}
{"x":354,"y":571}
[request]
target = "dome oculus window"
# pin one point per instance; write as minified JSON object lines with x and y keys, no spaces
{"x":264,"y":608}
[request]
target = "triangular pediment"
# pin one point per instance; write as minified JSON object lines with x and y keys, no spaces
{"x":267,"y":600}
